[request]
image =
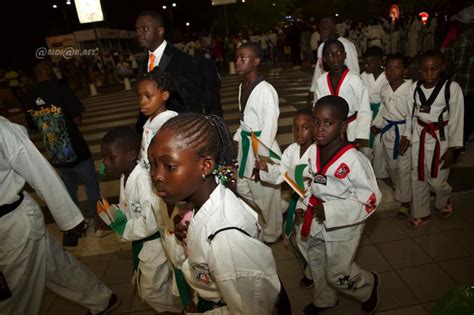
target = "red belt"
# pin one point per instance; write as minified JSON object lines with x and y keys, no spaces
{"x":308,"y":216}
{"x":351,"y":118}
{"x":431,"y":130}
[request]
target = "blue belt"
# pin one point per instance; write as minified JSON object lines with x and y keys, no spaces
{"x":394,"y":123}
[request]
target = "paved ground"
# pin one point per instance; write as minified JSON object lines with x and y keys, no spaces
{"x":417,"y":266}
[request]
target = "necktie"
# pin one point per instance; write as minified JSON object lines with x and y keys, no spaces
{"x":151,"y":62}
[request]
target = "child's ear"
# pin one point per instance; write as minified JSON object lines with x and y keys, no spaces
{"x":166,"y":95}
{"x":256,"y":61}
{"x":343,"y":129}
{"x":207,"y":165}
{"x":132,"y":155}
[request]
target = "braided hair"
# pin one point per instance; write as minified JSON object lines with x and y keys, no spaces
{"x":164,"y":80}
{"x":208,"y":136}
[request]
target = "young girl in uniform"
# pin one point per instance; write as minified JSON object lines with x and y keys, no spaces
{"x":138,"y":218}
{"x":258,"y":105}
{"x":437,"y":131}
{"x":294,"y":157}
{"x":154,"y":89}
{"x":374,"y":78}
{"x":394,"y":125}
{"x":227,"y":266}
{"x":343,"y":194}
{"x":339,"y":81}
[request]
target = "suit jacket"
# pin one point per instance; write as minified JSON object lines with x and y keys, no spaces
{"x":182,"y":67}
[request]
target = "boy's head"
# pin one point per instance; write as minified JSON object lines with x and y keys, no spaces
{"x":373,"y":59}
{"x":396,"y":66}
{"x":327,"y":28}
{"x":334,"y":54}
{"x":119,"y":149}
{"x":248,"y":58}
{"x":154,"y":89}
{"x":329,"y":116}
{"x":431,"y":67}
{"x":303,"y":127}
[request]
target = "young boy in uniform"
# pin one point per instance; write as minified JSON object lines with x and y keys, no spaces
{"x":343,"y":194}
{"x":437,"y":130}
{"x":258,"y":105}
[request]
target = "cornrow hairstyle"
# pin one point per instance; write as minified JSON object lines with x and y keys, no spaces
{"x":337,"y":103}
{"x":154,"y":15}
{"x":374,"y":52}
{"x":254,"y":48}
{"x":164,"y":80}
{"x":126,"y":138}
{"x":330,"y":42}
{"x":398,"y":56}
{"x":432,"y":53}
{"x":207,"y":135}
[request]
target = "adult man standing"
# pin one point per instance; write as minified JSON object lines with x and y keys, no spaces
{"x":327,"y":30}
{"x":150,"y":34}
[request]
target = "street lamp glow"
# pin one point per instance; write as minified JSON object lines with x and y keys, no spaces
{"x":174,"y":4}
{"x":187,"y":24}
{"x":55,"y":6}
{"x":274,"y":4}
{"x":243,"y":1}
{"x":337,"y":14}
{"x":164,"y":7}
{"x":68,"y":2}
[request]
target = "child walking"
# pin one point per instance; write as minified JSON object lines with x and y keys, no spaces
{"x":227,"y":266}
{"x":154,"y":89}
{"x":295,"y":157}
{"x":344,"y":194}
{"x":437,"y":131}
{"x":374,"y":78}
{"x":339,"y":81}
{"x":393,"y":124}
{"x":258,"y":105}
{"x":138,"y":218}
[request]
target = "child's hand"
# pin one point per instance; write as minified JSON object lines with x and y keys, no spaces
{"x":403,"y":147}
{"x":447,"y":159}
{"x":318,"y":213}
{"x":261,"y":165}
{"x":375,"y":130}
{"x":180,"y":228}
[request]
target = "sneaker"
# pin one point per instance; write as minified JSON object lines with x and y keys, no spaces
{"x":403,"y":212}
{"x":370,"y":306}
{"x":71,"y":237}
{"x":306,"y":283}
{"x":114,"y":302}
{"x":312,"y":309}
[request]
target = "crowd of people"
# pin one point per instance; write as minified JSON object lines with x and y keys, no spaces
{"x":223,"y":192}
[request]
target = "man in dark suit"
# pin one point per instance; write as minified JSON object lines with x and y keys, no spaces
{"x":150,"y":34}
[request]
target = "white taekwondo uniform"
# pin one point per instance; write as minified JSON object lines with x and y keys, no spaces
{"x":395,"y":121}
{"x":30,"y":257}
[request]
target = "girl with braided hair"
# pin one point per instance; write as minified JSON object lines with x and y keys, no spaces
{"x":227,"y":265}
{"x":154,"y":89}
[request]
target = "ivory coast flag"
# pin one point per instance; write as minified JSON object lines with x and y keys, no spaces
{"x":294,"y":178}
{"x":260,"y":149}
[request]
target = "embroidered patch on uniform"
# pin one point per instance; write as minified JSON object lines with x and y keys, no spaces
{"x":371,"y":203}
{"x":342,"y":171}
{"x":201,"y":273}
{"x":320,"y":179}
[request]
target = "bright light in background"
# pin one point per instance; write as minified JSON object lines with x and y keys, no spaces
{"x":187,"y":24}
{"x":337,"y":14}
{"x":89,"y":11}
{"x":243,"y":1}
{"x":55,"y":6}
{"x":68,"y":2}
{"x":174,"y":4}
{"x":164,"y":7}
{"x":274,"y":4}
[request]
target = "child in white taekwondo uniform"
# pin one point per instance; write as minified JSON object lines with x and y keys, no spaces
{"x":343,"y":194}
{"x":138,"y":218}
{"x":154,"y":89}
{"x":339,"y":81}
{"x":437,"y":131}
{"x":258,"y":104}
{"x":30,"y":257}
{"x":327,"y":28}
{"x":294,"y":157}
{"x":228,"y":267}
{"x":374,"y":78}
{"x":393,"y":124}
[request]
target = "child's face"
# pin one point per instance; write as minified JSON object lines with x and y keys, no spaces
{"x":116,"y":160}
{"x":395,"y":70}
{"x":431,"y":69}
{"x":334,"y":57}
{"x":246,"y":61}
{"x":176,"y":172}
{"x":151,"y":99}
{"x":372,"y":64}
{"x":303,"y":130}
{"x":327,"y":126}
